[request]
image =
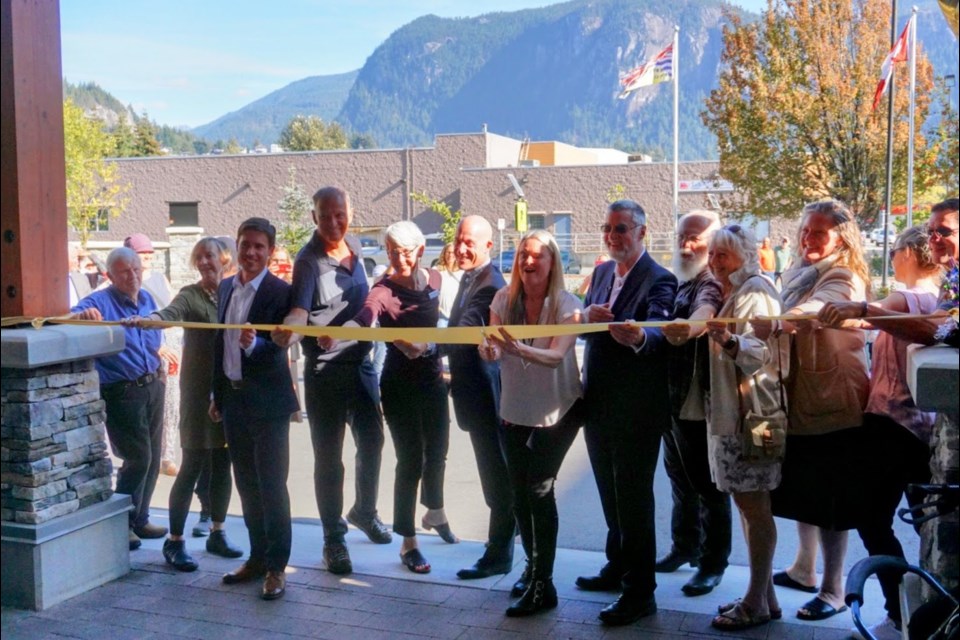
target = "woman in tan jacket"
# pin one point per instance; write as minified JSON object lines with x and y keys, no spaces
{"x":827,"y":387}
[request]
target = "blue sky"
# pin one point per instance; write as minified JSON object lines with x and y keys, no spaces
{"x":187,"y":62}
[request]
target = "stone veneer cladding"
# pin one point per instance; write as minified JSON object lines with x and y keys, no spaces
{"x":53,"y":460}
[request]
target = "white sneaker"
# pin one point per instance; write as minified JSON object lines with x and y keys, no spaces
{"x":886,"y":630}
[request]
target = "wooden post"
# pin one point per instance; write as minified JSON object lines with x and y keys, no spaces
{"x":33,"y":201}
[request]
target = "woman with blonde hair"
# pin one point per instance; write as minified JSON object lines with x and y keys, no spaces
{"x":827,"y":385}
{"x":539,"y":405}
{"x":898,"y":445}
{"x":202,"y":440}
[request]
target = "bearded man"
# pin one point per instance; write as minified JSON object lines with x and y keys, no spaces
{"x":700,"y":522}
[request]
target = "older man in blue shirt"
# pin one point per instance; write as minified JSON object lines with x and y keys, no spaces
{"x":131,"y":387}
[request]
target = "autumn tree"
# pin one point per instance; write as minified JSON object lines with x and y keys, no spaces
{"x":311,"y":133}
{"x":296,"y":219}
{"x":93,"y":187}
{"x":793,"y":109}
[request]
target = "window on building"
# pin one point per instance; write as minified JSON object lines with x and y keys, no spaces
{"x":536,"y":221}
{"x":184,"y":214}
{"x":101,"y":222}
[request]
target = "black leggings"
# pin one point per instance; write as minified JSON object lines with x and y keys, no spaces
{"x":534,"y":456}
{"x":221,"y":486}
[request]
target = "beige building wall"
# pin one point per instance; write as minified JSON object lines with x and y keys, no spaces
{"x":457,"y":169}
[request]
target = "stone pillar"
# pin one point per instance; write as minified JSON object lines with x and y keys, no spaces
{"x":57,"y":509}
{"x":182,"y":240}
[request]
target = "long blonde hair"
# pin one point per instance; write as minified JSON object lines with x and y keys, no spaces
{"x":850,"y":252}
{"x":516,"y":314}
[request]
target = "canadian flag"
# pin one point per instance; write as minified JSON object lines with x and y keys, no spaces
{"x":897,"y":54}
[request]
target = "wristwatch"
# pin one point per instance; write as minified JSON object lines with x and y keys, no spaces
{"x":730,"y":344}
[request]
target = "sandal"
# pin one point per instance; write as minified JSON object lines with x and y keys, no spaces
{"x":783,"y":579}
{"x":415,"y":561}
{"x":775,"y":614}
{"x":738,"y":618}
{"x":818,"y":609}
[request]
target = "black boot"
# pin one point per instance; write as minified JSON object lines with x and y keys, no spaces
{"x":521,"y":585}
{"x":175,"y":553}
{"x":540,"y":596}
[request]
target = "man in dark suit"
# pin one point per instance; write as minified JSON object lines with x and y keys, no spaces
{"x":625,"y":392}
{"x":253,"y":394}
{"x":475,"y":389}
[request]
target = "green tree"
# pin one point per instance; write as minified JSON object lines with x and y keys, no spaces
{"x":145,"y":133}
{"x":92,"y":183}
{"x":450,"y":217}
{"x":296,"y":220}
{"x":125,"y":142}
{"x":310,"y":133}
{"x":793,"y":108}
{"x":947,"y":134}
{"x":362,"y":141}
{"x":232,"y":146}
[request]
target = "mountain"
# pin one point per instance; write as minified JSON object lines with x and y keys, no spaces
{"x":264,"y":119}
{"x":549,"y":73}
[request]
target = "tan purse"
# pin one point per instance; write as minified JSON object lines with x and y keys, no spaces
{"x":763,"y":438}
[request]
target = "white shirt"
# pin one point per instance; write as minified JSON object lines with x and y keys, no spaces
{"x":618,"y":280}
{"x":238,"y":308}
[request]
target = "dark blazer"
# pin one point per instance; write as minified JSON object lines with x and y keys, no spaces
{"x":618,"y":382}
{"x":474,"y":383}
{"x":266,"y":372}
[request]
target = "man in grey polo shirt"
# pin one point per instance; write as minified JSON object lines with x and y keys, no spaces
{"x":329,"y":287}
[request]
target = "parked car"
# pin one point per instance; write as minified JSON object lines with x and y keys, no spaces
{"x":431,"y":254}
{"x":876,"y":236}
{"x":571,"y":261}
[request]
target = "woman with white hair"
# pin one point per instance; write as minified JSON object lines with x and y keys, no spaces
{"x":412,"y":390}
{"x":744,"y":376}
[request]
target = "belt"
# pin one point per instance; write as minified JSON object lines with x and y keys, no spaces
{"x":142,"y":381}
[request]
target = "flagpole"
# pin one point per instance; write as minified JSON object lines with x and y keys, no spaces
{"x":913,"y":100}
{"x":676,"y":118}
{"x":889,"y":187}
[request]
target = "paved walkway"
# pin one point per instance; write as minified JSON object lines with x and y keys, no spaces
{"x":381,"y":599}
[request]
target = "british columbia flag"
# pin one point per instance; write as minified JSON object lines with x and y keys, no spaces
{"x":657,"y":69}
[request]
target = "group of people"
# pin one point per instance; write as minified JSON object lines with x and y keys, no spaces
{"x":719,"y":360}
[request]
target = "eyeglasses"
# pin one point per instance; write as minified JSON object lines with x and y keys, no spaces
{"x":619,"y":229}
{"x":942,"y":231}
{"x":397,"y":252}
{"x":734,"y":228}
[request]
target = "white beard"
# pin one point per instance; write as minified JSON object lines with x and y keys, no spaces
{"x":687,"y":269}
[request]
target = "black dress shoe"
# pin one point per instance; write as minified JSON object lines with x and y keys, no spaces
{"x":702,"y":582}
{"x":175,"y":553}
{"x":374,"y":528}
{"x":218,"y":544}
{"x":484,"y":568}
{"x":539,"y":596}
{"x":628,"y":609}
{"x":673,"y":561}
{"x":602,"y":582}
{"x":246,"y":572}
{"x":520,"y":586}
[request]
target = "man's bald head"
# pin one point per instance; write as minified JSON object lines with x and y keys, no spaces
{"x":473,"y":242}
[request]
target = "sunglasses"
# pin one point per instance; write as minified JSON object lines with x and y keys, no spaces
{"x":734,"y":228}
{"x":619,"y":229}
{"x":942,"y":231}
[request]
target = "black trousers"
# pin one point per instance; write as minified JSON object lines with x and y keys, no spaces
{"x":534,"y":456}
{"x":335,"y":396}
{"x":488,"y":448}
{"x":260,"y":452}
{"x":624,"y":455}
{"x":700,"y":520}
{"x":219,"y":488}
{"x":135,"y":429}
{"x":419,"y":419}
{"x":897,"y":458}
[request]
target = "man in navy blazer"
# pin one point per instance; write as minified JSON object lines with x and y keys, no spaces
{"x":253,"y":394}
{"x":625,"y":392}
{"x":475,"y":389}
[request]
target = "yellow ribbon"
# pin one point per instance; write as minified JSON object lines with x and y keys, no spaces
{"x":448,"y":335}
